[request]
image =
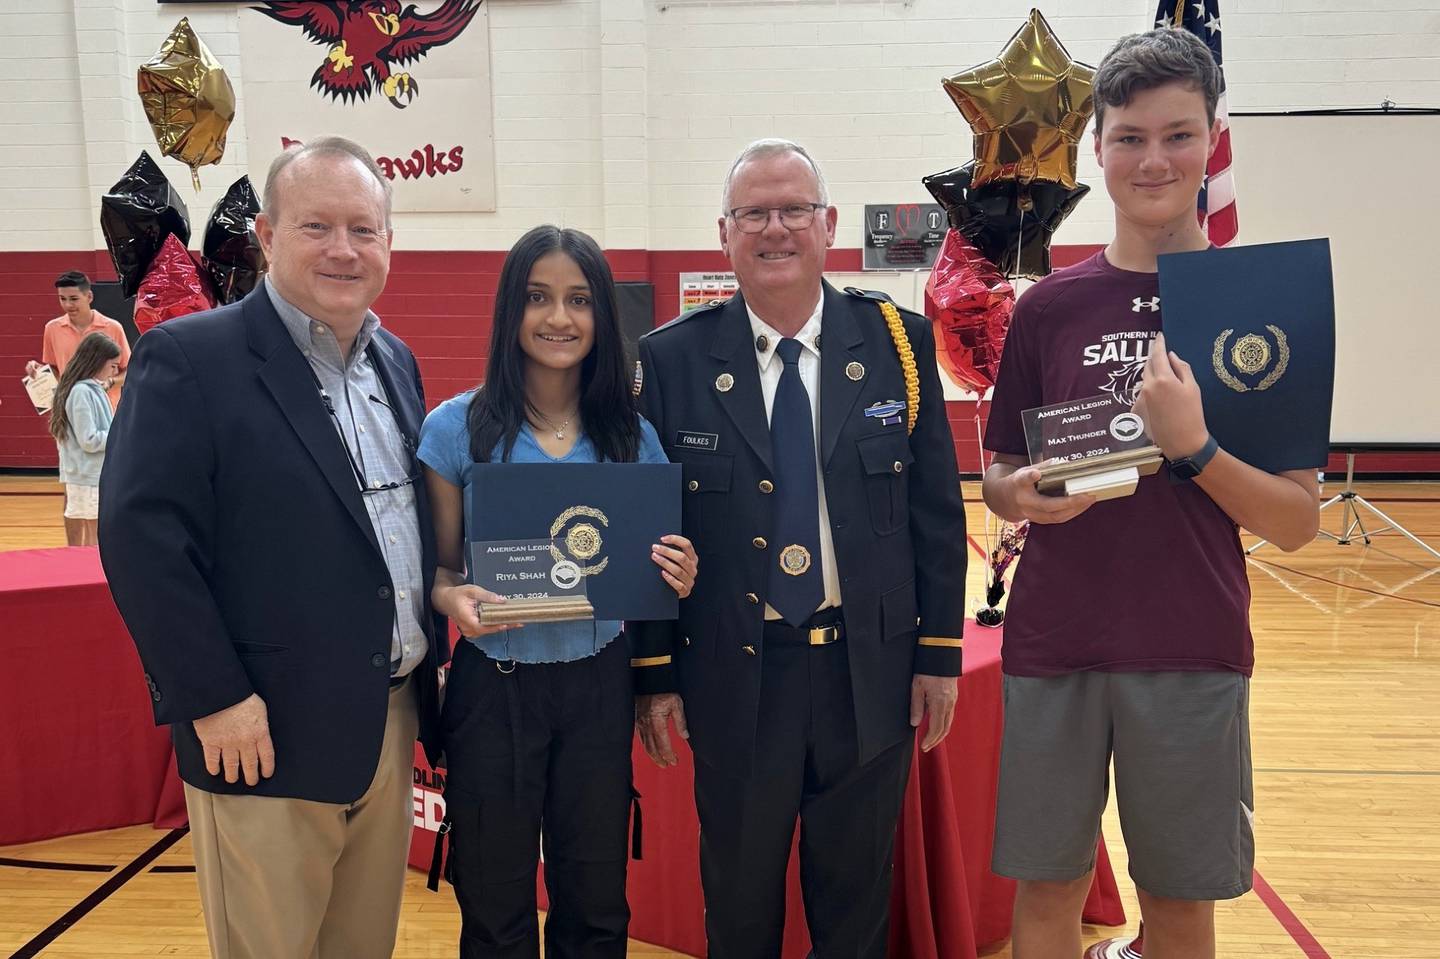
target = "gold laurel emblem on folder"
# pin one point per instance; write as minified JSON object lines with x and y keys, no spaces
{"x":794,"y":560}
{"x":1251,"y":354}
{"x":582,"y":541}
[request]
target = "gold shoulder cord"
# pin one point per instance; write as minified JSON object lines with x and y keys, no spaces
{"x":907,"y":363}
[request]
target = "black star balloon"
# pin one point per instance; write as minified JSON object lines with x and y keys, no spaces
{"x":1028,"y":108}
{"x":233,"y":258}
{"x":1010,"y":224}
{"x":136,"y":216}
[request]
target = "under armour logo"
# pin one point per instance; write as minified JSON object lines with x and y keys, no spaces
{"x":1152,"y":304}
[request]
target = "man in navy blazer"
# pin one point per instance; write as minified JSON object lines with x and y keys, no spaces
{"x":271,"y":553}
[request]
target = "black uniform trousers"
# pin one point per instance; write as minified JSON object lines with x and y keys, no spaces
{"x":546,"y":743}
{"x":806,"y":766}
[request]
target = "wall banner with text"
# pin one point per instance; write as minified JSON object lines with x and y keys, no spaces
{"x":412,"y":87}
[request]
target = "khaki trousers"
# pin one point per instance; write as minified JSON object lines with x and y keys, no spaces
{"x":295,"y":879}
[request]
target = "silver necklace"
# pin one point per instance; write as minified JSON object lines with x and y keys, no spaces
{"x":559,"y":430}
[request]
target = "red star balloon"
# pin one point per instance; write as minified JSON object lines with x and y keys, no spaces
{"x":971,"y":311}
{"x":173,"y":287}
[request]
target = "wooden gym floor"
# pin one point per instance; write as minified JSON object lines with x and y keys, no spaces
{"x":1346,"y":735}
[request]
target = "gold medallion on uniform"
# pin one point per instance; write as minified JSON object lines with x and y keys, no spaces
{"x":794,"y":559}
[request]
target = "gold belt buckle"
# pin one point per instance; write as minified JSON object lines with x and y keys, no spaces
{"x":824,"y":635}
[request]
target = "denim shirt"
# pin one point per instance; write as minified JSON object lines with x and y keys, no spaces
{"x":445,"y":448}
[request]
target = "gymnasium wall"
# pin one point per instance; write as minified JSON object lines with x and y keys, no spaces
{"x":620,"y":117}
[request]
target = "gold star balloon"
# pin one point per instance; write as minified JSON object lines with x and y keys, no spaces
{"x":188,"y":100}
{"x":1028,"y":108}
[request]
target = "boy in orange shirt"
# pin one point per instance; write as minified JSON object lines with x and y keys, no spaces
{"x":64,"y":333}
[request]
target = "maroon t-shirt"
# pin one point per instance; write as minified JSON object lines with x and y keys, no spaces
{"x":1151,"y":581}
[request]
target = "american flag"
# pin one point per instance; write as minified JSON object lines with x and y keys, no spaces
{"x":1217,"y":196}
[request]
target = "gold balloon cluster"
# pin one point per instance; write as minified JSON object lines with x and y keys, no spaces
{"x":1028,"y":109}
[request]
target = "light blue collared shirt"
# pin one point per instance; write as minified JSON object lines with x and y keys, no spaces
{"x":445,"y":448}
{"x":373,"y":440}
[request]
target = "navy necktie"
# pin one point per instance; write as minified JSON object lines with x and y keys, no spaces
{"x":797,"y":583}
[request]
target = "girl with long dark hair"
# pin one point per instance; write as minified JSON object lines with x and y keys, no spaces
{"x":80,"y":422}
{"x":538,"y":719}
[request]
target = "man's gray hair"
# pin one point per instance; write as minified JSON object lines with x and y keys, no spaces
{"x":330,"y":146}
{"x":769,"y":147}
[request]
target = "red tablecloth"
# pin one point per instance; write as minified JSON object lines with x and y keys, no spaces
{"x":79,"y":749}
{"x":80,"y":752}
{"x":946,"y":902}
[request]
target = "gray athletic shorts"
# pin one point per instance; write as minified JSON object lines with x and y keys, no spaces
{"x":1181,"y":745}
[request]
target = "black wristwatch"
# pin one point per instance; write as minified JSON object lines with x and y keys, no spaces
{"x":1189,"y":467}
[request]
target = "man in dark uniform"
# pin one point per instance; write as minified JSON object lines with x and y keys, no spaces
{"x":822,"y":495}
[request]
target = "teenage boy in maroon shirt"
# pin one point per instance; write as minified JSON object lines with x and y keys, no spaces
{"x":1128,"y":628}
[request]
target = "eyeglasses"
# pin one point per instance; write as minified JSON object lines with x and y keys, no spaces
{"x":357,"y":465}
{"x":794,"y":216}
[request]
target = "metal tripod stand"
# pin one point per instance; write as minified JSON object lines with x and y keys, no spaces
{"x":1351,"y":522}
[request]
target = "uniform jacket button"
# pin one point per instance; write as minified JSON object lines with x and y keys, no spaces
{"x":754,"y":600}
{"x":155,"y":695}
{"x":693,"y":485}
{"x":379,"y":660}
{"x":899,"y":466}
{"x":686,"y":640}
{"x":759,"y":542}
{"x":766,"y":486}
{"x":383,"y":592}
{"x":749,"y":650}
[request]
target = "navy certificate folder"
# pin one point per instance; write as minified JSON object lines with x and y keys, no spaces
{"x":1257,"y":326}
{"x":603,"y":517}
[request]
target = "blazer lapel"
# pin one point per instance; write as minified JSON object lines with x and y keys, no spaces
{"x":289,"y":379}
{"x":743,"y":400}
{"x":841,"y":343}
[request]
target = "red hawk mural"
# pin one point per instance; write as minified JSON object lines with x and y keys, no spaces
{"x":367,"y":38}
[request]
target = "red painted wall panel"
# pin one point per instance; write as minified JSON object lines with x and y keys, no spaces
{"x":440,"y":304}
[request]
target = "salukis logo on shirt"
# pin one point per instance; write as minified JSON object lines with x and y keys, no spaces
{"x":1125,"y":353}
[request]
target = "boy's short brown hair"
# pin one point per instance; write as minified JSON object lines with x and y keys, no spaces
{"x":1144,"y":61}
{"x":73,"y":278}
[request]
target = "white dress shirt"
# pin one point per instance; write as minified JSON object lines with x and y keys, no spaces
{"x":770,"y":369}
